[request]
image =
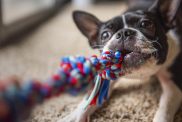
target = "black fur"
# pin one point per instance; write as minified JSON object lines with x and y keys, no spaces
{"x":176,"y":68}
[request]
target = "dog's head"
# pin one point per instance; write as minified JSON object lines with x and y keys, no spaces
{"x":139,"y":35}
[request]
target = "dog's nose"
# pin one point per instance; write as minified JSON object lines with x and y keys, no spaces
{"x":124,"y":33}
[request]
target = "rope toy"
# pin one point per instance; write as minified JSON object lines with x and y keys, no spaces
{"x":74,"y":75}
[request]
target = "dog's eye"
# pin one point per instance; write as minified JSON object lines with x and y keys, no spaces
{"x":146,"y":24}
{"x":105,"y":35}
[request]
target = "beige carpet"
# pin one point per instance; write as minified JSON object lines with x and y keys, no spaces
{"x":38,"y":56}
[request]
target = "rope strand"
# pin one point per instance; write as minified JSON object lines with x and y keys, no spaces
{"x":74,"y":75}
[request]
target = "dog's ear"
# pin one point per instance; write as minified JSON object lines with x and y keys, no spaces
{"x":167,"y":9}
{"x":88,"y":24}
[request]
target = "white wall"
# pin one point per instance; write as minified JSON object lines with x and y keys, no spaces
{"x":17,"y":9}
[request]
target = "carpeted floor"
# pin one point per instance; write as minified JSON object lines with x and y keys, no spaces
{"x":38,"y":56}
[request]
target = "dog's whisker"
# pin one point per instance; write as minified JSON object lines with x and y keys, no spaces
{"x":155,"y":54}
{"x":157,"y":43}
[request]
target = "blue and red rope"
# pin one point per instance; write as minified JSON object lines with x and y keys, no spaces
{"x":74,"y":75}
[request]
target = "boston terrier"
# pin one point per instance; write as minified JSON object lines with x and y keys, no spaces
{"x":151,"y":41}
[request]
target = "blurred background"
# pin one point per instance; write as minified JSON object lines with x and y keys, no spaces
{"x":34,"y":34}
{"x":17,"y":16}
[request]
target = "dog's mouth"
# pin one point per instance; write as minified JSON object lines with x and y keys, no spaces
{"x":134,"y":59}
{"x":126,"y":52}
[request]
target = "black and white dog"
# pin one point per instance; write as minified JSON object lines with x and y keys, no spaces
{"x":152,"y":43}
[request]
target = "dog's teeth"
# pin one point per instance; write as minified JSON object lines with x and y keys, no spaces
{"x":128,"y":56}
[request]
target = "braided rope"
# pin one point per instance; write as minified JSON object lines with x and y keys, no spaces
{"x":74,"y":75}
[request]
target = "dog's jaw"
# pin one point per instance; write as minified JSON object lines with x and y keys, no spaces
{"x":143,"y":72}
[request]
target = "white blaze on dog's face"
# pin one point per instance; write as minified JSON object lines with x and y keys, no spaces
{"x":138,"y":35}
